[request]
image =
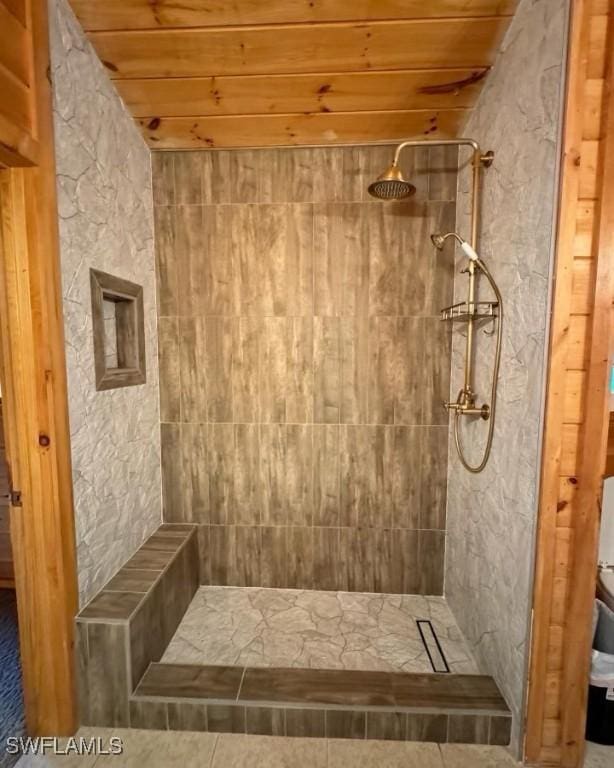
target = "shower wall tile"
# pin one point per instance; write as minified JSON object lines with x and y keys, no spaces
{"x":215,"y":367}
{"x":303,"y":365}
{"x":326,"y":475}
{"x":194,"y":473}
{"x":341,"y":260}
{"x":492,"y":515}
{"x":187,"y":260}
{"x":163,"y":178}
{"x":194,"y":381}
{"x":166,"y":253}
{"x":326,"y":370}
{"x":188,"y":177}
{"x":168,"y":361}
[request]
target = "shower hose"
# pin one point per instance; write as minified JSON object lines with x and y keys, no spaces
{"x":493,"y":397}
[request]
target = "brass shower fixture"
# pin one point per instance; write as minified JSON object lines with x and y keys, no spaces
{"x":392,"y":186}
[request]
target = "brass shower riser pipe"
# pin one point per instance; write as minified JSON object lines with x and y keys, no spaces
{"x":478,"y":162}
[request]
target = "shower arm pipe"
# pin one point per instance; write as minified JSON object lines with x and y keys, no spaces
{"x":479,"y":160}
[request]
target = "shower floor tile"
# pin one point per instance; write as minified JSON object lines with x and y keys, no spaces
{"x":254,"y":627}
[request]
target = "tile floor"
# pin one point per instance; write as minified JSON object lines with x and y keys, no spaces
{"x":598,"y":756}
{"x":156,"y":749}
{"x":330,"y":630}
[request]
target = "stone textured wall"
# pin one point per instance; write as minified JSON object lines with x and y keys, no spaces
{"x":491,"y":516}
{"x":303,"y":365}
{"x":106,"y":222}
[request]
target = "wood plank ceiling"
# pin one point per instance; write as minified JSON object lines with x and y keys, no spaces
{"x":216,"y":73}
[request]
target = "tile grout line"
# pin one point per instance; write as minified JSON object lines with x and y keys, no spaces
{"x":241,"y":684}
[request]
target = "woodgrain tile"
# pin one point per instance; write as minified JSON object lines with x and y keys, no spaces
{"x":291,"y":174}
{"x":235,"y":495}
{"x":194,"y":473}
{"x":368,"y":559}
{"x":435,"y":385}
{"x":163,"y":177}
{"x":235,"y":555}
{"x":222,"y":718}
{"x":191,"y":682}
{"x":272,"y":253}
{"x":131,"y":581}
{"x":187,"y":716}
{"x":286,"y":474}
{"x":216,"y":182}
{"x":432,"y":544}
{"x":423,"y":727}
{"x":107,"y":675}
{"x":247,"y":332}
{"x":217,"y":364}
{"x":150,"y":715}
{"x":433,"y":470}
{"x":273,"y":556}
{"x":247,"y":496}
{"x":299,"y":566}
{"x":188,"y":254}
{"x":168,"y":362}
{"x":468,"y":729}
{"x":166,"y":269}
{"x":327,"y":370}
{"x":387,"y":726}
{"x":500,"y":732}
{"x":111,"y":605}
{"x":172,"y":478}
{"x":337,"y":174}
{"x":366,"y":479}
{"x":291,"y":298}
{"x":349,"y":724}
{"x":273,"y":370}
{"x":305,"y":722}
{"x":188,"y":177}
{"x":405,"y":576}
{"x":443,"y":170}
{"x":395,"y":370}
{"x":329,"y":559}
{"x":246,"y":173}
{"x":354,"y":333}
{"x":299,"y":370}
{"x":267,"y":721}
{"x":220,"y":463}
{"x":215,"y":277}
{"x":341,"y":260}
{"x":146,"y":632}
{"x":192,"y":353}
{"x":326,"y":476}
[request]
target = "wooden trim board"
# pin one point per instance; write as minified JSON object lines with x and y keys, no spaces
{"x":576,"y":418}
{"x":32,"y":362}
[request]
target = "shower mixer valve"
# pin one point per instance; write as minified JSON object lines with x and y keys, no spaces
{"x":465,"y":405}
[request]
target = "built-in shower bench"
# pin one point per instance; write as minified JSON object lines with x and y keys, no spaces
{"x":123,"y":633}
{"x":129,"y":623}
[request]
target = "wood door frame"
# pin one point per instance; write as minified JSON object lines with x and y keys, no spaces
{"x":33,"y":371}
{"x":577,"y":405}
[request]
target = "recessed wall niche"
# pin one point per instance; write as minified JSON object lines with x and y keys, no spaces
{"x":119,"y":331}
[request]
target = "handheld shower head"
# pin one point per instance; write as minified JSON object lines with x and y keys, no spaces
{"x":439,"y":241}
{"x":391,"y":185}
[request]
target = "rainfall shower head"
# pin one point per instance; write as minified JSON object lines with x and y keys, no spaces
{"x":391,"y":185}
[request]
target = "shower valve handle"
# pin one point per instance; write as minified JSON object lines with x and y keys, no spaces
{"x":466,"y":409}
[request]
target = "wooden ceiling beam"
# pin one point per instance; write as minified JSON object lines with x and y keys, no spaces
{"x":297,"y":49}
{"x":326,"y":92}
{"x":145,"y":14}
{"x":299,"y":130}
